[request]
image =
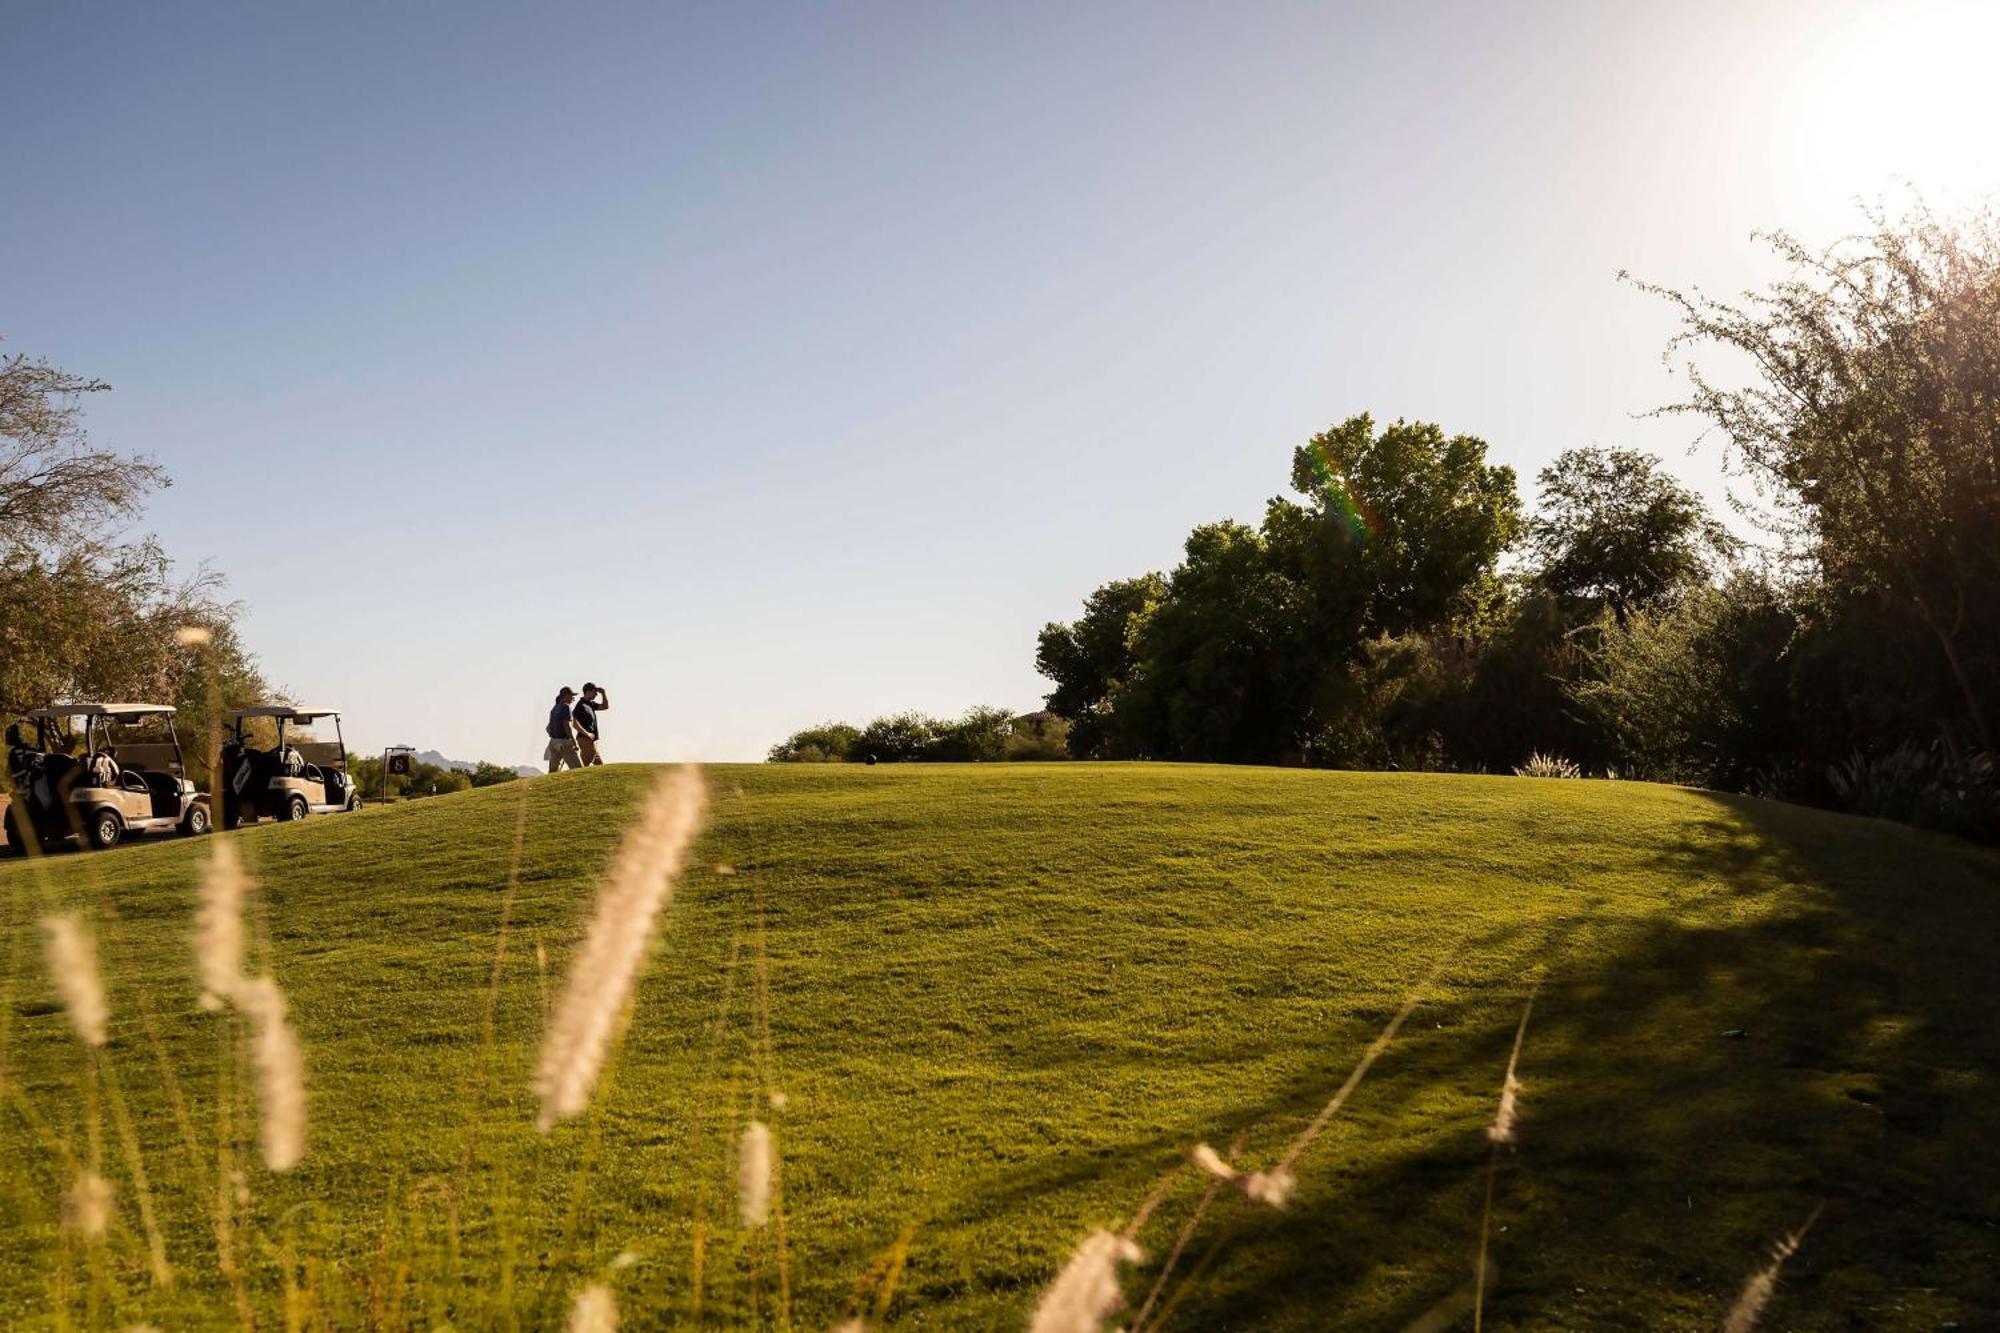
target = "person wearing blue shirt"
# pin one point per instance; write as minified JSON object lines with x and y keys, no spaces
{"x":585,"y":714}
{"x":561,"y":750}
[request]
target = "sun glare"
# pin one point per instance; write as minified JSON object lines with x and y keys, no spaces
{"x":1897,"y":93}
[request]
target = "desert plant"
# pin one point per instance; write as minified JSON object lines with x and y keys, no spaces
{"x":1541,"y":765}
{"x":1937,"y":786}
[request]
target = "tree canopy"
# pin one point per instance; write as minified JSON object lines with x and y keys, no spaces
{"x":1613,"y":527}
{"x":87,"y":610}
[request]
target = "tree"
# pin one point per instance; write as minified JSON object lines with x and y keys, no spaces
{"x":485,"y":774}
{"x":1398,"y":526}
{"x":1091,"y":658}
{"x":980,"y":736}
{"x":830,"y":742}
{"x":84,"y":613}
{"x":1248,"y":650}
{"x":55,"y":489}
{"x":1872,"y":419}
{"x":1700,"y":691}
{"x":1224,"y":671}
{"x":1614,"y":528}
{"x":901,"y":738}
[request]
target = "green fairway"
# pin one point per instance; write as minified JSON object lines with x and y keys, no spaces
{"x":1002,"y":1001}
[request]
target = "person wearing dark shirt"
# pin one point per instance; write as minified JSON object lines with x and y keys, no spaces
{"x":561,"y":749}
{"x":585,"y":714}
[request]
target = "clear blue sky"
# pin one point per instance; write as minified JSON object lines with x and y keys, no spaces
{"x":771,"y":365}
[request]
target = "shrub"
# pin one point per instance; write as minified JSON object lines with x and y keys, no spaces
{"x":978,"y":737}
{"x":828,"y":743}
{"x":1936,"y":786}
{"x":899,"y":738}
{"x":1038,"y":736}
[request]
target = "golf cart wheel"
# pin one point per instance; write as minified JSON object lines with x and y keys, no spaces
{"x":106,"y":828}
{"x":295,"y":809}
{"x":196,"y":822}
{"x":353,"y":802}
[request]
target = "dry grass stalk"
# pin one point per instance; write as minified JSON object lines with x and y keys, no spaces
{"x":1086,"y":1292}
{"x":753,"y":1175}
{"x":72,"y":959}
{"x":595,"y":1311}
{"x":281,"y":1073}
{"x":1382,"y":1041}
{"x":1504,"y":1130}
{"x":87,"y":1206}
{"x":1757,"y":1292}
{"x":1273,"y":1187}
{"x":218,"y":930}
{"x":1208,"y":1159}
{"x":606,"y":967}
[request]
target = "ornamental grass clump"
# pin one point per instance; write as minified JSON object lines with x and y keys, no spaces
{"x":1541,"y":765}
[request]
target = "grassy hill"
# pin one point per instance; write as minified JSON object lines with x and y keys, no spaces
{"x":1001,"y":1003}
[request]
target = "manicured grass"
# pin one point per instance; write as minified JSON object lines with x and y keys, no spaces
{"x":1004,"y":1001}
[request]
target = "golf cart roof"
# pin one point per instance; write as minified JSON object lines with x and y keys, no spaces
{"x":116,"y":712}
{"x":286,"y":711}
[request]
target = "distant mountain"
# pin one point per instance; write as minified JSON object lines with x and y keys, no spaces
{"x":437,"y":760}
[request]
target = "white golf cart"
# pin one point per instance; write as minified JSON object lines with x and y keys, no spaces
{"x":300,"y":774}
{"x":98,"y":772}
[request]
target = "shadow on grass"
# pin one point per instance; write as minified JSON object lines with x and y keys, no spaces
{"x":1817,"y":1027}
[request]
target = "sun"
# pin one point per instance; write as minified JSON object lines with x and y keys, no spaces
{"x":1890,"y":94}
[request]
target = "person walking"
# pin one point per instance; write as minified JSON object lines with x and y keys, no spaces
{"x":585,"y":714}
{"x":561,"y":749}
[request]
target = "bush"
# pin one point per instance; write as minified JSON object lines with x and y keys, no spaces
{"x":828,"y":743}
{"x":1936,"y":786}
{"x":1038,"y":736}
{"x":897,"y":739}
{"x":984,"y":735}
{"x":978,"y":737}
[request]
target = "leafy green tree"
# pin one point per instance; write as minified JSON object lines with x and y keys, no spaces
{"x":1224,"y":668}
{"x":1039,"y":736}
{"x":900,"y":738}
{"x":1701,"y":691}
{"x":1249,"y":650}
{"x":1870,"y":416}
{"x":1398,"y":527}
{"x":485,"y":774}
{"x":1615,"y":529}
{"x":980,"y":736}
{"x":1091,"y":658}
{"x":830,"y":742}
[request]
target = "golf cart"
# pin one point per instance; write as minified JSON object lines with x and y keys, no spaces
{"x":97,"y":772}
{"x":299,"y":775}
